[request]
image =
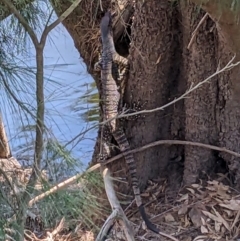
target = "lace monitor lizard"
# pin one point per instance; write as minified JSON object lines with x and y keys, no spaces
{"x":109,"y":65}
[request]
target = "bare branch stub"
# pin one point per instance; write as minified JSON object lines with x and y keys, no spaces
{"x":4,"y":146}
{"x":117,"y":212}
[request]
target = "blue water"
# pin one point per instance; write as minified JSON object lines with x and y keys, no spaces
{"x":67,"y":90}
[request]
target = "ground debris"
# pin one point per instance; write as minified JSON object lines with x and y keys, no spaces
{"x":207,"y":211}
{"x":200,"y":212}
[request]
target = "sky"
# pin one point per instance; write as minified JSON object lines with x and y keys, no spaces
{"x":66,"y":81}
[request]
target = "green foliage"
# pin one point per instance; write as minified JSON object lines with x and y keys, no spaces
{"x":76,"y":204}
{"x":59,"y":161}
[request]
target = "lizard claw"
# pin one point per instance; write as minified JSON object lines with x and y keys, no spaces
{"x":98,"y":66}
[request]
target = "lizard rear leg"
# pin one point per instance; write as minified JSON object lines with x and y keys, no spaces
{"x":134,"y":108}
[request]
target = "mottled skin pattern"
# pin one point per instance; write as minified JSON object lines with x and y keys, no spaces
{"x":110,"y":75}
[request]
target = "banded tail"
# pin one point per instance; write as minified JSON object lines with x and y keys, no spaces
{"x":124,"y":146}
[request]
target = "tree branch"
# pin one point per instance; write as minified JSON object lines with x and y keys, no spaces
{"x":61,"y":185}
{"x":39,"y":123}
{"x":196,"y":30}
{"x":59,"y":20}
{"x":117,"y":212}
{"x":121,"y":23}
{"x":21,"y":19}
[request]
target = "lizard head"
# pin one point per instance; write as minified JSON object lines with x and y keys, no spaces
{"x":105,"y":24}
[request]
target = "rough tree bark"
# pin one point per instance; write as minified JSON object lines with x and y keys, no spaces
{"x":161,"y":69}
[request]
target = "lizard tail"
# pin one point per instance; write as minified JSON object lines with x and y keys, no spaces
{"x":124,"y":146}
{"x":148,"y":223}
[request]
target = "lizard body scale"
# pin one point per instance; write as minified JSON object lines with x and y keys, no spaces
{"x":111,"y":99}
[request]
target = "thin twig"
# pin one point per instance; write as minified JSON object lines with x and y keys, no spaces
{"x":195,"y":31}
{"x":227,"y":67}
{"x":175,"y":142}
{"x":62,"y":185}
{"x":100,"y":3}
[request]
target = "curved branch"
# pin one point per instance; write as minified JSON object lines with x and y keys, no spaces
{"x":117,"y":212}
{"x":73,"y":179}
{"x":175,"y":142}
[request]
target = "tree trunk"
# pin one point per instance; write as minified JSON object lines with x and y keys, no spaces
{"x":162,"y":67}
{"x":199,"y":62}
{"x":155,"y":57}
